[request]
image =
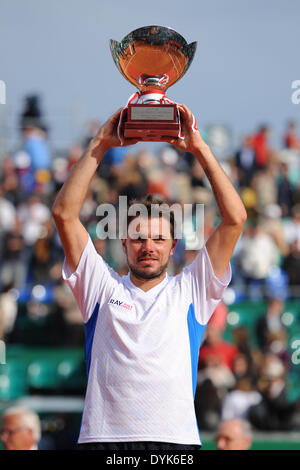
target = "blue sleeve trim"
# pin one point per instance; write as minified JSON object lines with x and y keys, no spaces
{"x":89,"y":330}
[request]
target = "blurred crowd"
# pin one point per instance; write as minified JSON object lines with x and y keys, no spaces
{"x":237,"y":380}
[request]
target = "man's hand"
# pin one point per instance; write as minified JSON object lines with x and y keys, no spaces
{"x":107,"y":136}
{"x":192,"y":139}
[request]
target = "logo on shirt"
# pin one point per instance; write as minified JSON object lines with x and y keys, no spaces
{"x":119,"y":303}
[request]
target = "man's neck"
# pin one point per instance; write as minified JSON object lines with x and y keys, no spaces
{"x":147,"y":284}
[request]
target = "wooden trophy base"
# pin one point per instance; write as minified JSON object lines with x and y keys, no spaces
{"x":151,"y":122}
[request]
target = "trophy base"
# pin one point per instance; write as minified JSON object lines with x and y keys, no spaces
{"x":151,"y":122}
{"x":151,"y":131}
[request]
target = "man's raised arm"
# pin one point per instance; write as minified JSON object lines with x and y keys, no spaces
{"x":68,"y":203}
{"x":221,"y":243}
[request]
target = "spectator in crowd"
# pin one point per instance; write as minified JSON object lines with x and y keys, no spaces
{"x":215,"y":376}
{"x":274,"y":412}
{"x":261,"y":148}
{"x":270,"y":322}
{"x":7,"y":213}
{"x":238,"y":401}
{"x":257,"y":256}
{"x":13,"y":264}
{"x":33,"y":214}
{"x":9,"y":180}
{"x":291,"y":266}
{"x":36,"y":146}
{"x":21,"y":429}
{"x":216,"y":350}
{"x":271,"y":222}
{"x":208,"y":403}
{"x":292,"y":226}
{"x":265,"y":187}
{"x":285,"y":190}
{"x":35,"y":134}
{"x":245,"y":160}
{"x":234,"y":434}
{"x":8,"y":311}
{"x":245,"y":363}
{"x":271,"y":334}
{"x":291,"y":138}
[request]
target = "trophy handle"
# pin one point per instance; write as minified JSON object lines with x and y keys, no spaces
{"x":190,"y":50}
{"x":117,"y":51}
{"x":114,"y":49}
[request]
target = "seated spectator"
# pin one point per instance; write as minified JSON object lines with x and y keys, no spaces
{"x":207,"y":403}
{"x":33,"y":214}
{"x":274,"y":412}
{"x":216,"y":349}
{"x":292,"y":226}
{"x":291,"y":138}
{"x":245,"y":361}
{"x":244,"y":160}
{"x":237,"y":402}
{"x":21,"y":429}
{"x":9,"y":180}
{"x":218,"y":373}
{"x":264,"y":185}
{"x":285,"y":190}
{"x":271,"y":222}
{"x":13,"y":269}
{"x":8,"y":311}
{"x":7,"y":213}
{"x":261,"y":147}
{"x":241,"y":367}
{"x":234,"y":434}
{"x":257,"y":256}
{"x":271,"y":332}
{"x":215,"y":377}
{"x":291,"y":265}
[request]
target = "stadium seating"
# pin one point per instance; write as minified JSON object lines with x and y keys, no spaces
{"x":42,"y":371}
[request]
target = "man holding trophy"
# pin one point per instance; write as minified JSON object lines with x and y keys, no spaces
{"x":143,"y":330}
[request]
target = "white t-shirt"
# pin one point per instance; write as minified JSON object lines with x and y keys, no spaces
{"x":237,"y":403}
{"x":142,"y":349}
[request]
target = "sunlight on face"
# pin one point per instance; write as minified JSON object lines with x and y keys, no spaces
{"x":149,"y":246}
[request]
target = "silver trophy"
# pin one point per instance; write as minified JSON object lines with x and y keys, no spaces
{"x":152,"y":58}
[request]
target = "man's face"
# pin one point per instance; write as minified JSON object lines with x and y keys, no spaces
{"x":14,"y":435}
{"x":148,"y":255}
{"x":230,"y":437}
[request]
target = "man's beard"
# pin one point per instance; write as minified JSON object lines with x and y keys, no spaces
{"x":144,"y":275}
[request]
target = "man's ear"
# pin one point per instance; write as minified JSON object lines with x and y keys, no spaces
{"x":124,"y":247}
{"x":174,"y":243}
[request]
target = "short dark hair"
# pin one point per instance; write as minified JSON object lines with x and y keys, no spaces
{"x":149,"y":201}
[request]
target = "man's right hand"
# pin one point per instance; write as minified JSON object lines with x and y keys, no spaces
{"x":107,"y":136}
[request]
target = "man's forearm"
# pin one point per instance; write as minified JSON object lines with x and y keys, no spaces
{"x":231,"y":208}
{"x":70,"y":198}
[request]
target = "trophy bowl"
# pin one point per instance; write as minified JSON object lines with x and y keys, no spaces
{"x":152,"y":58}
